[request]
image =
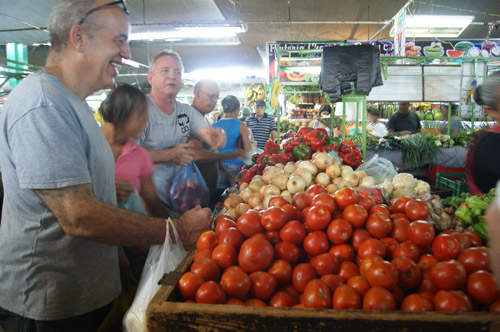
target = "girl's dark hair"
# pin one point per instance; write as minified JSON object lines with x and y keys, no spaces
{"x":121,"y":103}
{"x":325,"y":107}
{"x":230,"y":103}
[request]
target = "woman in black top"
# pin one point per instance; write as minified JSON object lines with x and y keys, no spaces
{"x":483,"y":159}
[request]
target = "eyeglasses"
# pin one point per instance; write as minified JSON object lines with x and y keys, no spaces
{"x":214,"y":96}
{"x":111,"y":4}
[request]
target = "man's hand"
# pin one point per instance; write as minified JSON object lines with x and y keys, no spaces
{"x":182,"y":154}
{"x":215,"y":137}
{"x":239,"y":153}
{"x":123,"y":189}
{"x":192,"y":224}
{"x":405,"y":132}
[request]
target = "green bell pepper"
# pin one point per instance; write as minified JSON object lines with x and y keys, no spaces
{"x":481,"y":229}
{"x":302,"y":152}
{"x":464,"y":213}
{"x":476,"y":202}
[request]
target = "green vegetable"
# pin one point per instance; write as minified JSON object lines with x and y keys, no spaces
{"x":464,"y":213}
{"x":454,"y":202}
{"x":302,"y":152}
{"x":476,"y":202}
{"x":481,"y":229}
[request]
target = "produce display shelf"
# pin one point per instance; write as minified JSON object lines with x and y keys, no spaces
{"x":166,"y":313}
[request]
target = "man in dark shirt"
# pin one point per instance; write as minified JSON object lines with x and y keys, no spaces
{"x":404,"y":121}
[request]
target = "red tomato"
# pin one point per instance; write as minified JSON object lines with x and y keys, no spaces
{"x":400,"y":229}
{"x":348,"y":269}
{"x":326,"y":263}
{"x":255,"y":303}
{"x":371,"y":247}
{"x":278,"y":201}
{"x":420,"y":232}
{"x":317,"y":295}
{"x":398,"y":206}
{"x":379,"y":298}
{"x":312,"y":191}
{"x":425,"y":262}
{"x":234,"y":302}
{"x":231,"y":236}
{"x":224,"y":255}
{"x":281,"y":270}
{"x":291,"y":212}
{"x":379,"y":225}
{"x":255,"y":254}
{"x":390,"y":244}
{"x":263,"y":285}
{"x":416,"y":209}
{"x":273,"y":218}
{"x":366,"y":262}
{"x":303,"y":213}
{"x":210,"y":292}
{"x":463,"y":240}
{"x":452,"y":301}
{"x":476,"y":240}
{"x":448,"y":275}
{"x":249,"y":223}
{"x":345,"y":197}
{"x":426,"y":285}
{"x":345,"y":252}
{"x":406,"y":248}
{"x":189,"y":284}
{"x":339,"y":231}
{"x":203,"y":253}
{"x":299,"y":200}
{"x":409,"y":273}
{"x":207,"y":240}
{"x":235,"y":283}
{"x":415,"y":302}
{"x":445,"y":247}
{"x":382,"y":274}
{"x":333,"y":281}
{"x":481,"y":286}
{"x":293,"y":232}
{"x":474,"y":259}
{"x":346,"y":297}
{"x":316,"y":243}
{"x":358,"y":236}
{"x":302,"y":274}
{"x":495,"y":306}
{"x":355,"y":214}
{"x":282,"y":299}
{"x":381,"y":208}
{"x":326,"y":200}
{"x":287,"y":251}
{"x":224,"y":224}
{"x":366,"y":202}
{"x":398,"y":218}
{"x":360,"y":284}
{"x":206,"y":269}
{"x":273,"y":237}
{"x":318,"y":218}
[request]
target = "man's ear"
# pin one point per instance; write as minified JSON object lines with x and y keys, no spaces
{"x":77,"y":37}
{"x":492,"y":112}
{"x":150,"y":78}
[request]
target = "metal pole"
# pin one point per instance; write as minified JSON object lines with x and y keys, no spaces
{"x":343,"y":119}
{"x":449,"y":116}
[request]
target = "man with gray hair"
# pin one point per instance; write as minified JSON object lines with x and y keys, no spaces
{"x":172,"y":123}
{"x":60,"y":224}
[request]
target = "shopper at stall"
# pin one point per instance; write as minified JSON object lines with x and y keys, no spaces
{"x":60,"y":226}
{"x":323,"y":119}
{"x":404,"y":121}
{"x":455,"y":121}
{"x":206,"y":93}
{"x":171,"y":123}
{"x":493,"y":223}
{"x":261,"y":124}
{"x":483,"y":157}
{"x":245,"y":113}
{"x":237,"y":136}
{"x":375,"y":128}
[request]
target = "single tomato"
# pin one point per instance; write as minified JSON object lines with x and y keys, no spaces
{"x":445,"y":247}
{"x":273,"y":218}
{"x":398,"y":206}
{"x":379,"y":298}
{"x":210,"y":292}
{"x":355,"y":214}
{"x":318,"y":218}
{"x":474,"y":259}
{"x":317,"y":295}
{"x":282,"y":299}
{"x":346,"y":297}
{"x":224,"y":255}
{"x":316,"y":243}
{"x":249,"y":223}
{"x":293,"y":232}
{"x":255,"y":254}
{"x":344,"y":251}
{"x":416,"y":209}
{"x":379,"y":225}
{"x":287,"y":251}
{"x":281,"y":270}
{"x":481,"y":286}
{"x":371,"y":247}
{"x":339,"y":231}
{"x":326,"y":263}
{"x":312,"y":191}
{"x":382,"y":274}
{"x":301,"y":275}
{"x":420,"y":232}
{"x":263,"y":285}
{"x":345,"y":197}
{"x":235,"y":283}
{"x":189,"y":284}
{"x":299,"y":200}
{"x":448,"y":275}
{"x":207,"y":240}
{"x":326,"y":200}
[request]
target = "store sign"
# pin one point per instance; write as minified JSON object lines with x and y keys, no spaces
{"x":303,"y":55}
{"x":399,"y":35}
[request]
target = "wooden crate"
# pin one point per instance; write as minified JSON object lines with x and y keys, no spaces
{"x":165,"y":313}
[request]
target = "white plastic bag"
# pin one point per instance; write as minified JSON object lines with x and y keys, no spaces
{"x":380,"y":169}
{"x":161,"y":259}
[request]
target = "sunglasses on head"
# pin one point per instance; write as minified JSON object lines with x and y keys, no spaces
{"x":111,"y":4}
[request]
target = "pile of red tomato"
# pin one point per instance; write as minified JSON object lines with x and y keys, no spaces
{"x":340,"y":251}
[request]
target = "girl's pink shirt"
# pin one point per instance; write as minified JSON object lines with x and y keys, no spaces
{"x":133,"y":164}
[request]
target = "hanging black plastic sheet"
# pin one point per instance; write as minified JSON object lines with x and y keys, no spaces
{"x":342,"y":65}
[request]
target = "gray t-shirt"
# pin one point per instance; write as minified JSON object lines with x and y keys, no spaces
{"x":165,"y":131}
{"x":455,"y":123}
{"x":50,"y":139}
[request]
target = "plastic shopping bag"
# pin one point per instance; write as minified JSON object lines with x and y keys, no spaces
{"x":380,"y":169}
{"x":161,"y":259}
{"x":188,"y":189}
{"x":134,"y":203}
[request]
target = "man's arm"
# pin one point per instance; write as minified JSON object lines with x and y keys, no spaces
{"x":81,"y":215}
{"x":214,"y":137}
{"x":274,"y":135}
{"x":180,"y":155}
